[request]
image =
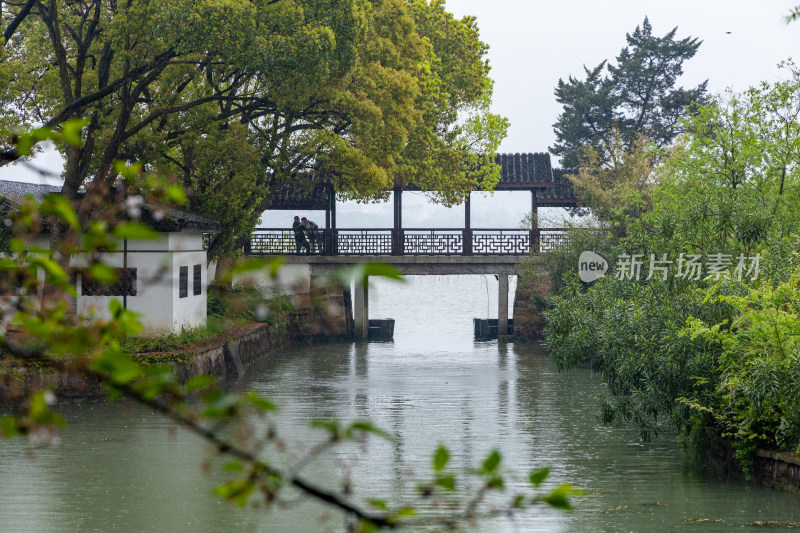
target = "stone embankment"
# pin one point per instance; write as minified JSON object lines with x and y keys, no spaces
{"x":530,"y":303}
{"x":777,"y":470}
{"x":230,"y":355}
{"x":323,"y":314}
{"x":226,"y":356}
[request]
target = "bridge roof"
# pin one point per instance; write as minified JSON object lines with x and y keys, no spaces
{"x":526,"y":172}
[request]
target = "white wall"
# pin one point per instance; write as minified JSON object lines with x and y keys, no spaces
{"x":157,"y":285}
{"x":189,"y":312}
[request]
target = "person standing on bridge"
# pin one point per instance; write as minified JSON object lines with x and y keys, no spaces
{"x":312,"y":232}
{"x":300,"y":236}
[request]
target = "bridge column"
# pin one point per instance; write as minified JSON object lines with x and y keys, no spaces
{"x":502,"y":307}
{"x":361,"y":309}
{"x":397,"y":231}
{"x":534,"y":223}
{"x":467,"y":234}
{"x":332,"y":239}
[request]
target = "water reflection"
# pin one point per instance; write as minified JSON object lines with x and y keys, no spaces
{"x":130,"y":472}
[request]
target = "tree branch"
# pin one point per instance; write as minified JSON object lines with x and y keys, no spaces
{"x":17,"y":20}
{"x":219,"y":444}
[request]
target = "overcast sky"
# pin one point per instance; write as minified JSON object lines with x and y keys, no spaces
{"x":534,"y":43}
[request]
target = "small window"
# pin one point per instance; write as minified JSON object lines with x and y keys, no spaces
{"x":183,"y":282}
{"x":124,"y":286}
{"x":198,"y":280}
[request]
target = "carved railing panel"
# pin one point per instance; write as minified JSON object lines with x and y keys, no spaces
{"x":363,"y":242}
{"x":550,"y":238}
{"x":444,"y":241}
{"x":272,"y":242}
{"x":433,"y":242}
{"x":500,"y":242}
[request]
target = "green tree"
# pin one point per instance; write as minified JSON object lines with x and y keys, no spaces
{"x":49,"y":339}
{"x":364,"y":90}
{"x":637,"y":97}
{"x":10,"y":19}
{"x":714,"y":351}
{"x":617,"y":190}
{"x":452,"y":149}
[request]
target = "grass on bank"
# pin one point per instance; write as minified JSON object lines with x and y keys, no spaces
{"x":229,"y":309}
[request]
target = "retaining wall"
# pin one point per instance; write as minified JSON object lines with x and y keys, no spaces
{"x":777,"y":470}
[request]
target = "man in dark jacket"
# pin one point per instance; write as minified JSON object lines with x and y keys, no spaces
{"x":312,"y":231}
{"x":300,"y":236}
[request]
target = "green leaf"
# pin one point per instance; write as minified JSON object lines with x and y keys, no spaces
{"x":55,"y":204}
{"x":519,"y":501}
{"x":495,"y":482}
{"x":365,"y":526}
{"x":127,"y":171}
{"x":176,"y":194}
{"x":237,"y":490}
{"x":491,"y":463}
{"x":447,"y":482}
{"x":331,"y":426}
{"x":120,"y":367}
{"x":361,"y":273}
{"x":539,"y":476}
{"x":71,"y":131}
{"x":103,"y":273}
{"x":135,"y":230}
{"x":9,"y":427}
{"x":378,"y":504}
{"x":367,"y":427}
{"x":253,"y":264}
{"x":196,"y":383}
{"x":221,"y":404}
{"x":259,"y":402}
{"x":26,"y":141}
{"x":24,"y":144}
{"x":39,"y":405}
{"x":384,"y":271}
{"x":440,"y":458}
{"x":51,"y":268}
{"x":275,"y":266}
{"x":559,"y":497}
{"x":115,"y":307}
{"x":233,"y":466}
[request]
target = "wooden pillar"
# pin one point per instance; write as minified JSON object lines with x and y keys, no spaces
{"x":361,"y":309}
{"x":397,"y":230}
{"x":502,"y":307}
{"x":467,"y":234}
{"x":534,"y":223}
{"x":332,"y":239}
{"x":332,"y":208}
{"x":467,"y":212}
{"x":398,"y":207}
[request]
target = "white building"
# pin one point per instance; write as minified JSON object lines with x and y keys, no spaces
{"x":164,"y":280}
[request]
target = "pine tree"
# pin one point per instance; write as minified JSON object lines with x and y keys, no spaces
{"x":637,"y":96}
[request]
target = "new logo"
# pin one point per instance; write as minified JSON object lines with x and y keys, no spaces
{"x":591,"y":266}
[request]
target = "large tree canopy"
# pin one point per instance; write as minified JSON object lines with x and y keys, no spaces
{"x":234,"y":97}
{"x":637,"y":96}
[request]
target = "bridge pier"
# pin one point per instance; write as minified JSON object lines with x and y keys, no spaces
{"x":361,"y":309}
{"x":502,"y":307}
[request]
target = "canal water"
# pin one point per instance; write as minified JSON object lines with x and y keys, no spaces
{"x":123,"y":468}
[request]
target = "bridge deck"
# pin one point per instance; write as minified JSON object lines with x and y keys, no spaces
{"x":415,"y":265}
